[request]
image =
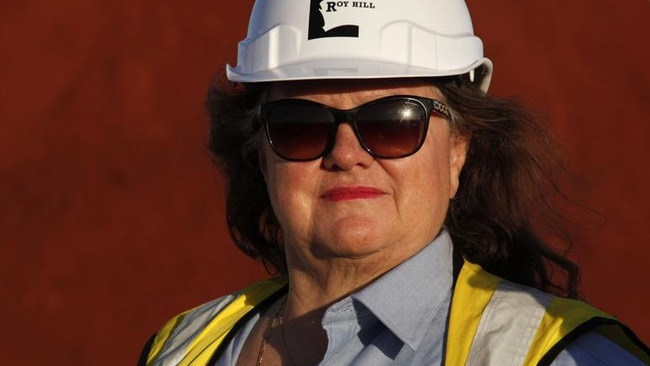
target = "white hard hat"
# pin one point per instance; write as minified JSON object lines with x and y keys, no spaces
{"x":316,"y":39}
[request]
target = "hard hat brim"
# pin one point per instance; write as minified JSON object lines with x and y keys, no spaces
{"x":355,"y":69}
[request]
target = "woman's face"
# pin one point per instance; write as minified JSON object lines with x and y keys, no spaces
{"x":349,"y":204}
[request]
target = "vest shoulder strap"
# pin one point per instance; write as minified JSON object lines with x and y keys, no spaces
{"x":562,"y":317}
{"x":531,"y":325}
{"x":192,"y":337}
{"x":603,"y":324}
{"x":485,"y":305}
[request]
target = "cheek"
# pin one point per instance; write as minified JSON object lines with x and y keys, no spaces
{"x":432,"y":185}
{"x":290,"y":187}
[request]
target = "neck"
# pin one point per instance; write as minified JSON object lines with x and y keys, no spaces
{"x":317,"y":283}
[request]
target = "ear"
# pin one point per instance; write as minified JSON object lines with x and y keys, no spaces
{"x":458,"y":146}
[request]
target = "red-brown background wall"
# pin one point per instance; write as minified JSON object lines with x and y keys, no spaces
{"x":111,"y":215}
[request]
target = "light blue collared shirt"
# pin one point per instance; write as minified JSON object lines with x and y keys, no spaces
{"x":401,"y":319}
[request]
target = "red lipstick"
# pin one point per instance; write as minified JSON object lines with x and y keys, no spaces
{"x":351,"y":193}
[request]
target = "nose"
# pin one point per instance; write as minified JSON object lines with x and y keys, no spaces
{"x":347,"y":152}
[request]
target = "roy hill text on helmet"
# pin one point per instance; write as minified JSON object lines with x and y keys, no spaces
{"x":333,"y":5}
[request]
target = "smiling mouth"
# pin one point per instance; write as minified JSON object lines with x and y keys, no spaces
{"x":351,"y":193}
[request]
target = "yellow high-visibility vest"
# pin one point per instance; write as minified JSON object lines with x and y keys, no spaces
{"x":533,"y":326}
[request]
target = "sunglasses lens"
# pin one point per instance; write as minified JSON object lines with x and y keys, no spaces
{"x":298,"y":131}
{"x":388,"y":128}
{"x":392,"y":128}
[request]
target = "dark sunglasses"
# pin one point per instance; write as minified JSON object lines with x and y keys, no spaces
{"x":387,"y":128}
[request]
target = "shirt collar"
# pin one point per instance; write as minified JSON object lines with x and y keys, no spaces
{"x":418,"y":288}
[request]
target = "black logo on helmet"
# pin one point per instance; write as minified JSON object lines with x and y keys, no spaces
{"x":317,"y":19}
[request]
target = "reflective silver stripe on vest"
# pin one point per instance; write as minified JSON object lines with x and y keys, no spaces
{"x":508,"y":325}
{"x":192,"y":324}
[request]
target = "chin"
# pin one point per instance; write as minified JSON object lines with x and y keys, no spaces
{"x":352,"y":244}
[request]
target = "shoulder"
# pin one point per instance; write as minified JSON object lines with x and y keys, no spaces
{"x":210,"y":322}
{"x":186,"y":325}
{"x":198,"y":316}
{"x":189,"y":323}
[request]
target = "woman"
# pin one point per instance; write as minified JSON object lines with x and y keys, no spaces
{"x":369,"y":167}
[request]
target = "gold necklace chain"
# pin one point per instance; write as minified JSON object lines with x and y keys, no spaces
{"x":277,"y":319}
{"x":284,"y":341}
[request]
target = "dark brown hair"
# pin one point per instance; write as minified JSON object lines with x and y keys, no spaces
{"x":509,"y":171}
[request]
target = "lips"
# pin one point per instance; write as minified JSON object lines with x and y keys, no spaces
{"x":351,"y":193}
